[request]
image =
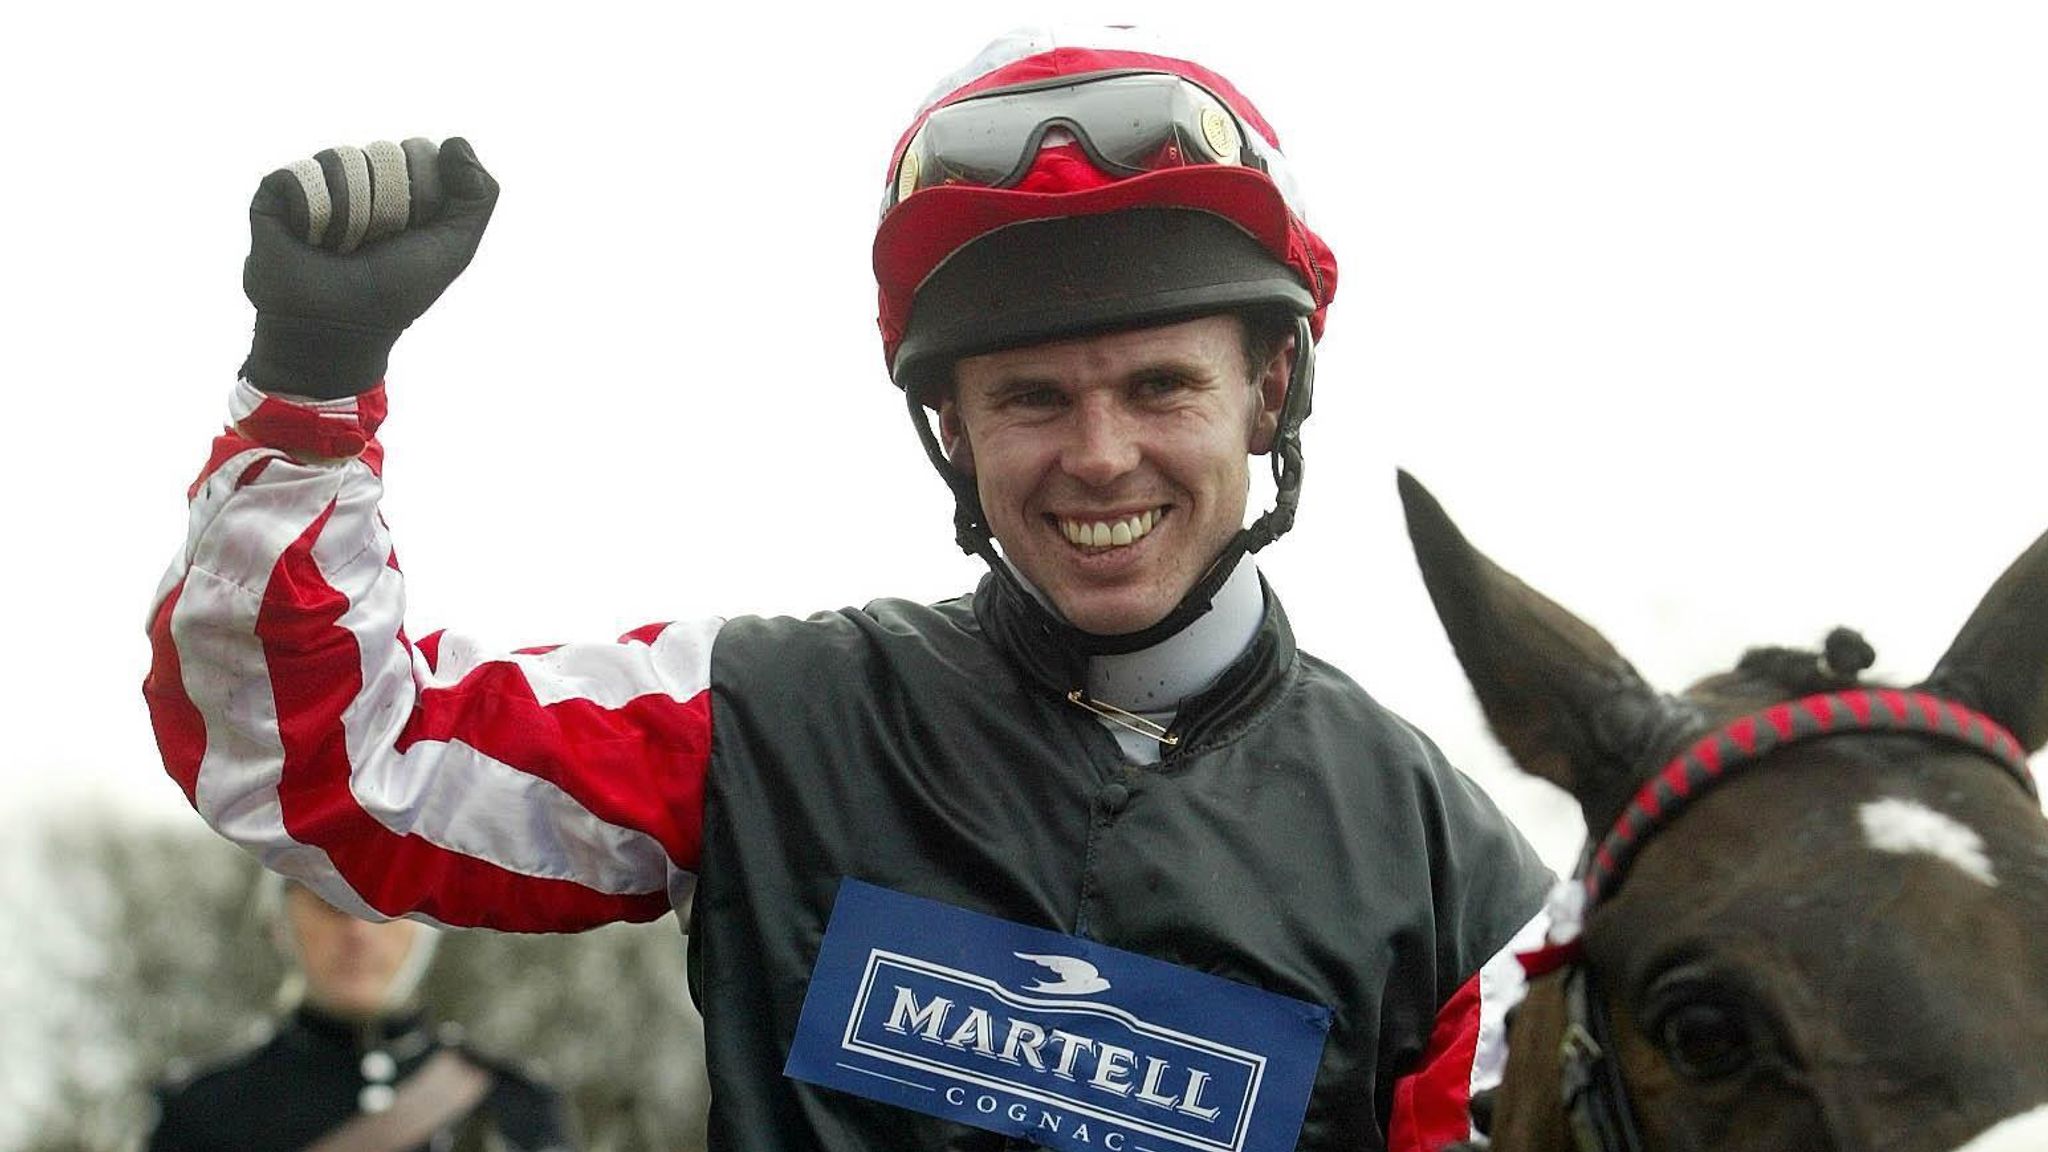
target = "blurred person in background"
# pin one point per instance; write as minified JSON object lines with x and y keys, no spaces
{"x":355,"y":1064}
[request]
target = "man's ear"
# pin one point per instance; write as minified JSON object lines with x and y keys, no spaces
{"x":953,"y":436}
{"x":1271,"y":386}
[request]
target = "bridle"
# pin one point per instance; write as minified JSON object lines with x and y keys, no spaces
{"x":1595,"y":1096}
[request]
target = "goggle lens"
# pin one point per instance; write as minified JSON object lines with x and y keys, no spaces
{"x":1127,"y":124}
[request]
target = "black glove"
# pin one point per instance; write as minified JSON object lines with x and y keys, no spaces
{"x":349,"y":247}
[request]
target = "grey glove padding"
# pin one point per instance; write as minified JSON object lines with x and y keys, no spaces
{"x":349,"y":247}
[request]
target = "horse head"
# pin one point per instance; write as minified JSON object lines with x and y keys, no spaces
{"x":1838,"y":943}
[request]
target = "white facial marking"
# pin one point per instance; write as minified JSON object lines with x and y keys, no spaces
{"x":1907,"y":826}
{"x":2026,"y":1132}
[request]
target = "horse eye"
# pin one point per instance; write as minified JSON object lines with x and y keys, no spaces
{"x":1704,"y":1041}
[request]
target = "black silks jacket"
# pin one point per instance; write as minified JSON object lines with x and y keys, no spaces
{"x":1301,"y":838}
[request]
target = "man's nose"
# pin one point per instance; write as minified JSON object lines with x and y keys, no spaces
{"x":1102,"y":444}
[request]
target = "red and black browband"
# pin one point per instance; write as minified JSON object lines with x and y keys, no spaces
{"x":1747,"y":739}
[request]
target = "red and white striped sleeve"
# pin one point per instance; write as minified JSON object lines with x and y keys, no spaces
{"x":545,"y":790}
{"x":1468,"y":1051}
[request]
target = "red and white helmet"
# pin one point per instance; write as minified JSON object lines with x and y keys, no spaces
{"x":1063,"y":183}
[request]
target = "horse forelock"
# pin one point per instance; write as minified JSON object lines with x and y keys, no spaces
{"x":1769,"y":675}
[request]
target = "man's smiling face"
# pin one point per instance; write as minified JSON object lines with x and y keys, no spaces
{"x":1114,"y":468}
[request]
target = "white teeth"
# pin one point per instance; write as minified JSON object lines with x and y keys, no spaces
{"x":1110,"y":534}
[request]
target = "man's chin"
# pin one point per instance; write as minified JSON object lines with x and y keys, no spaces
{"x":1114,"y":619}
{"x":1105,"y":607}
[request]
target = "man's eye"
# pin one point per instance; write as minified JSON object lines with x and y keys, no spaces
{"x":1160,"y":385}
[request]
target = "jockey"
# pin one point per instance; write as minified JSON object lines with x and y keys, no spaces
{"x":1093,"y":856}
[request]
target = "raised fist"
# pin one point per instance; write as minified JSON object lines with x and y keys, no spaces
{"x":349,"y":247}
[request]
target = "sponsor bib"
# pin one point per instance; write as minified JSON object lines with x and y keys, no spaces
{"x":1056,"y":1039}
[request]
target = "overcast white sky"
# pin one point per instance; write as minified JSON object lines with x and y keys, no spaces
{"x":1721,"y":323}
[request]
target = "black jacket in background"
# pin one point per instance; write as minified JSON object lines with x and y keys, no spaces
{"x":308,"y":1079}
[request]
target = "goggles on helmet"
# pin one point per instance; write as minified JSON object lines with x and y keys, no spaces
{"x":1127,"y":123}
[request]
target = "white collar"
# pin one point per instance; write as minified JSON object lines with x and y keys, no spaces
{"x":1152,"y":682}
{"x":1158,"y":678}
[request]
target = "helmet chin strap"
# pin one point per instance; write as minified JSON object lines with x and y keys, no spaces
{"x":970,"y":522}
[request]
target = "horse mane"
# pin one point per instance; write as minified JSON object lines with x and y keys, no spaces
{"x":1768,"y":675}
{"x":1802,"y":672}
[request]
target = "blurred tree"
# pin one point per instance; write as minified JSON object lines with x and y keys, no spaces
{"x":158,"y":966}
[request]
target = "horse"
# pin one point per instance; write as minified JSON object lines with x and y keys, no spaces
{"x":1817,"y":918}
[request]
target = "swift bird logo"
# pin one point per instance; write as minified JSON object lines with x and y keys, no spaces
{"x":1077,"y":977}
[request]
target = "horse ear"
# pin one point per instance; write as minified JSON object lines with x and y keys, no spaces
{"x":1999,"y":661}
{"x":1566,"y":705}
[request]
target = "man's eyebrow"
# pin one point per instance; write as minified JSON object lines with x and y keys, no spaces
{"x":1168,"y":367}
{"x":1005,"y":386}
{"x":1160,"y":371}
